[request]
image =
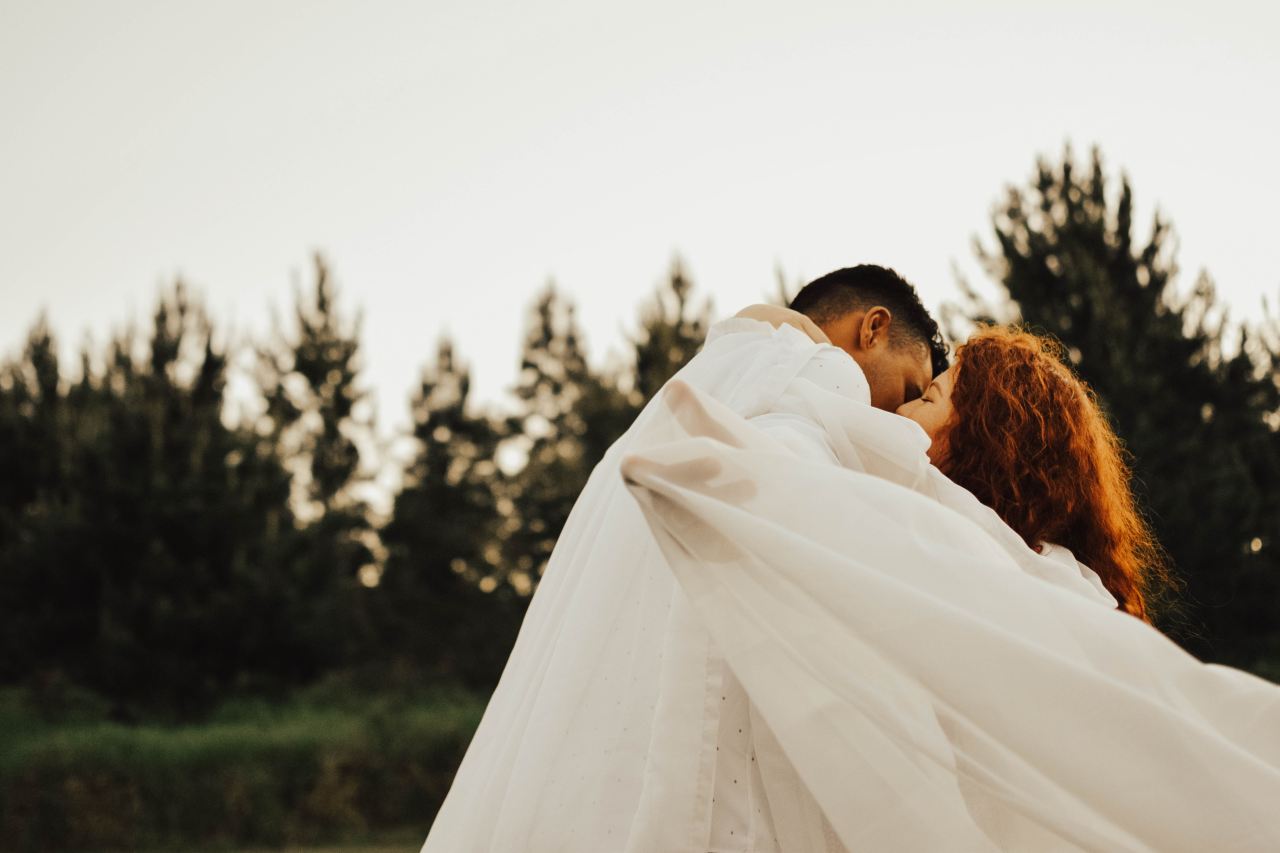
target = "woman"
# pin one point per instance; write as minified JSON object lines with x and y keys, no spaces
{"x":1012,"y":424}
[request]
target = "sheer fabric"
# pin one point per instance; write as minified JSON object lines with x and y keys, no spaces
{"x":602,"y":733}
{"x":930,"y":691}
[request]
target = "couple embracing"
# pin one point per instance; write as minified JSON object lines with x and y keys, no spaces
{"x":830,"y":593}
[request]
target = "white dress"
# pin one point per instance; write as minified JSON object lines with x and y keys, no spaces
{"x":929,"y":688}
{"x":602,"y":733}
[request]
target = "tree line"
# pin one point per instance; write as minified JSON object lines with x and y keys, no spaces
{"x":160,"y":552}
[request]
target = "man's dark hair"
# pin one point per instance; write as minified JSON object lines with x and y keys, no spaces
{"x":865,"y":286}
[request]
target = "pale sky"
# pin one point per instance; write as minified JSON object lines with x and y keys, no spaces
{"x":449,"y":159}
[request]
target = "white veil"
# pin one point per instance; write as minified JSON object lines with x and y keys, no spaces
{"x":601,"y":734}
{"x":930,"y":695}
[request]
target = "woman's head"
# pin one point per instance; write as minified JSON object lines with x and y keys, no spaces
{"x":1012,"y":424}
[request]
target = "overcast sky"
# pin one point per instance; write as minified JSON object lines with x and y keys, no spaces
{"x":450,"y":158}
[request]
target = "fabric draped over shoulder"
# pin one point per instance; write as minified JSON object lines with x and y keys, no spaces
{"x":935,"y":684}
{"x":601,"y":733}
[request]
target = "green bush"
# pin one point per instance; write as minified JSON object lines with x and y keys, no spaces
{"x":319,"y":768}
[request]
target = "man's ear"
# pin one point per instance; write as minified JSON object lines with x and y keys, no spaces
{"x":874,"y":329}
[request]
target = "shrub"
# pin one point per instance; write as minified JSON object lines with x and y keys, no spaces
{"x":254,"y":774}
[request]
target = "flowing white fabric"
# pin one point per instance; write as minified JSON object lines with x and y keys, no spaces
{"x":929,"y":694}
{"x":602,"y":733}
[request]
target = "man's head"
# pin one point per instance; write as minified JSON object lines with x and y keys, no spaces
{"x":875,"y":315}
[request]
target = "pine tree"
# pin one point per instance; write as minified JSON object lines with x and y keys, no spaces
{"x":310,"y":378}
{"x":1195,"y":398}
{"x":141,"y":556}
{"x":672,"y":331}
{"x":317,"y":417}
{"x":37,"y":631}
{"x":570,"y":415}
{"x":442,"y":604}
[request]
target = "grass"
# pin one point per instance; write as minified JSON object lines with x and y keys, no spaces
{"x":394,"y":841}
{"x":330,"y":766}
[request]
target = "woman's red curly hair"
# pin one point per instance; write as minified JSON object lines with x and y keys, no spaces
{"x":1029,"y":440}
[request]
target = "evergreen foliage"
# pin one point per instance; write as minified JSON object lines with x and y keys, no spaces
{"x":1195,"y":397}
{"x":162,"y":556}
{"x":439,"y":602}
{"x":135,"y":558}
{"x":569,"y":415}
{"x":672,"y":329}
{"x":316,"y":419}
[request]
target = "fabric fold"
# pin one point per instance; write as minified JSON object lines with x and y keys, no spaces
{"x":930,"y":690}
{"x":600,"y":736}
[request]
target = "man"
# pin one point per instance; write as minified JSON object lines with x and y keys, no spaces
{"x":617,"y":724}
{"x":875,"y":317}
{"x":871,"y":315}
